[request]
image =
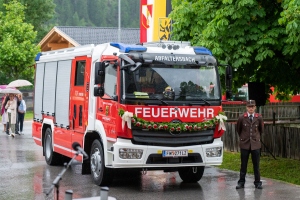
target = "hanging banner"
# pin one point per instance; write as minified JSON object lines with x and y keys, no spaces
{"x":164,"y":28}
{"x":153,"y":20}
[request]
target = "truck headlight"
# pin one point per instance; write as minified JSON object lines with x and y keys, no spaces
{"x":214,"y":152}
{"x":126,"y":153}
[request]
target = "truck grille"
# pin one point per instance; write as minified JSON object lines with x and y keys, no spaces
{"x":164,"y":138}
{"x":158,"y":159}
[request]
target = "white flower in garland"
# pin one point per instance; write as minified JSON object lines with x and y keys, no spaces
{"x":126,"y":117}
{"x":221,"y":118}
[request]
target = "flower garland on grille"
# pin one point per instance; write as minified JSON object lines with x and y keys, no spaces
{"x":139,"y":122}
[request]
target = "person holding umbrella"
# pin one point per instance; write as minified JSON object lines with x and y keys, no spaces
{"x":3,"y":112}
{"x":11,"y":107}
{"x":11,"y":91}
{"x":17,"y":84}
{"x":17,"y":114}
{"x":4,"y":105}
{"x":21,"y":113}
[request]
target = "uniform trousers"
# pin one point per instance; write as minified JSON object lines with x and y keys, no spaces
{"x":255,"y":156}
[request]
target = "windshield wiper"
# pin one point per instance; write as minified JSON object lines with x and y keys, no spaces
{"x":200,"y":103}
{"x":147,"y":100}
{"x":154,"y":103}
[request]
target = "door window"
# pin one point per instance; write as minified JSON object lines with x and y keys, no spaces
{"x":80,"y":68}
{"x":110,"y":80}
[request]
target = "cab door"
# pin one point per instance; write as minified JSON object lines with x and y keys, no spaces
{"x":108,"y":105}
{"x":79,"y":97}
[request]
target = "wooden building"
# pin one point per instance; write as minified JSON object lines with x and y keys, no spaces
{"x":71,"y":36}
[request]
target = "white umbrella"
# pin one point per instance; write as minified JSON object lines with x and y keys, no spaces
{"x":19,"y":83}
{"x":10,"y":91}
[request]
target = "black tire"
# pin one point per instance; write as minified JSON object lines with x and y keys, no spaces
{"x":51,"y":157}
{"x":101,"y":175}
{"x":191,"y":174}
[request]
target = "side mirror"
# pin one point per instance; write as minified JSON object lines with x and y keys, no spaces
{"x":132,"y":65}
{"x":99,"y":91}
{"x":137,"y":66}
{"x":125,"y":57}
{"x":99,"y":73}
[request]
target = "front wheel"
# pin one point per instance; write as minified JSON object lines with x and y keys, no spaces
{"x":191,"y":174}
{"x":51,"y":157}
{"x":101,"y":175}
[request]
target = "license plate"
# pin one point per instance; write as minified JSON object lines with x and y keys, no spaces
{"x":174,"y":153}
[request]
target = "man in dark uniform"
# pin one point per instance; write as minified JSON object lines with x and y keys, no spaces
{"x":250,"y":126}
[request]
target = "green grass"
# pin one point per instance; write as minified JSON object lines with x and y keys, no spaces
{"x":28,"y":116}
{"x":280,"y":169}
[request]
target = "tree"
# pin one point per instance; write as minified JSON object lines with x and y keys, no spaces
{"x":75,"y":21}
{"x":101,"y":13}
{"x":83,"y":12}
{"x":259,"y":38}
{"x":130,"y":11}
{"x":97,"y":12}
{"x":38,"y":13}
{"x":112,"y":18}
{"x":17,"y":48}
{"x":64,"y":11}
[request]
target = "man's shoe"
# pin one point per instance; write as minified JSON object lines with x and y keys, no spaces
{"x":239,"y":186}
{"x":259,"y":187}
{"x":13,"y":135}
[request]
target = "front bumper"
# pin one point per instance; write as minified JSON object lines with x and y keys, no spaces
{"x":152,"y":156}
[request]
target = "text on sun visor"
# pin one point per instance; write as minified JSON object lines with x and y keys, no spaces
{"x":175,"y":58}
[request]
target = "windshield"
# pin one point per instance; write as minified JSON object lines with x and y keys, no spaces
{"x":172,"y":82}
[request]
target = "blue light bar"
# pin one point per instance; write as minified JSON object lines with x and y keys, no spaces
{"x":202,"y":51}
{"x":126,"y":48}
{"x":37,"y":57}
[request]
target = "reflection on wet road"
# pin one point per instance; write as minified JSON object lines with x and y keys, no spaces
{"x":25,"y":175}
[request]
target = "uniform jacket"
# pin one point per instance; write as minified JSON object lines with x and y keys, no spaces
{"x":250,"y":132}
{"x":13,"y":107}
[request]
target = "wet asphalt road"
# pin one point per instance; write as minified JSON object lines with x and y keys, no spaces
{"x":25,"y":175}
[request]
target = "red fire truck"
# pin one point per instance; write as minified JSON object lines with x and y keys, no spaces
{"x":150,"y":106}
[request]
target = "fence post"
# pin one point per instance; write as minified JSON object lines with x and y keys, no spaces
{"x":274,"y":140}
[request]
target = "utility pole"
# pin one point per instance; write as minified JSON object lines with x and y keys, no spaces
{"x":119,"y":22}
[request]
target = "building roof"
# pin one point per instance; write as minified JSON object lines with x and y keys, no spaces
{"x":72,"y":36}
